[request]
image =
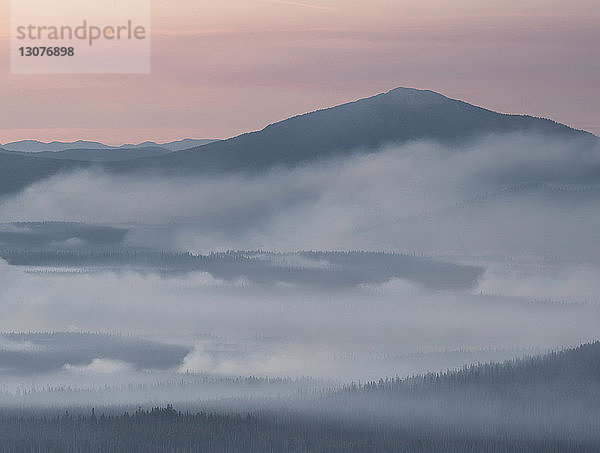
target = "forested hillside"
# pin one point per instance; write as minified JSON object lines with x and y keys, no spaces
{"x":515,"y":415}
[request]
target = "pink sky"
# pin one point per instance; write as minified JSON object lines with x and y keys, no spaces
{"x":222,"y":67}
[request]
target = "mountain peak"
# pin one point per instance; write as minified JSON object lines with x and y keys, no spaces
{"x":413,"y":98}
{"x":407,"y":92}
{"x":395,"y":117}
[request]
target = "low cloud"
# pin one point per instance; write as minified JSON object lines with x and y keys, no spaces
{"x":100,"y":366}
{"x":417,"y":197}
{"x":550,"y":283}
{"x":392,"y":286}
{"x":356,"y":333}
{"x":367,"y":201}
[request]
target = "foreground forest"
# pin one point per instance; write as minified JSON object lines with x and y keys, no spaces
{"x":542,"y":404}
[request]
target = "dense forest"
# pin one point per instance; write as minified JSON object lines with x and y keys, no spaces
{"x":541,"y":404}
{"x":167,"y":430}
{"x":322,"y":269}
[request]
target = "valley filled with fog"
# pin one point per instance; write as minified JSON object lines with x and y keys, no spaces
{"x":469,"y":263}
{"x":176,"y":278}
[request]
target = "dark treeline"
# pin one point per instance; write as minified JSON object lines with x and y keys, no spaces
{"x":543,"y":404}
{"x":323,"y":269}
{"x":572,"y":367}
{"x":167,"y":430}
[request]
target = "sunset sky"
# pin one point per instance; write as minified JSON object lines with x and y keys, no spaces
{"x":222,"y":67}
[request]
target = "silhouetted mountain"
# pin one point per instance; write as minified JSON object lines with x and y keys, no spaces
{"x":34,"y":146}
{"x":399,"y":116}
{"x":173,"y":146}
{"x":19,"y":169}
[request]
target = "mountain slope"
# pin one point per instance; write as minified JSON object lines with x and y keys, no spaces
{"x":95,"y":155}
{"x":398,"y":116}
{"x":544,"y":404}
{"x":554,"y":372}
{"x":525,"y":220}
{"x":177,"y":145}
{"x":18,"y":172}
{"x":104,"y":155}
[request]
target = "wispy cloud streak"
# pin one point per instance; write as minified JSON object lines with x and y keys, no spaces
{"x":301,"y":4}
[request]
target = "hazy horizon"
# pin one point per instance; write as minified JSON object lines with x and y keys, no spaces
{"x":384,"y":236}
{"x":253,"y":63}
{"x":185,"y":138}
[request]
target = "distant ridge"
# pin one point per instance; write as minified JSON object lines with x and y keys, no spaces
{"x":398,"y":116}
{"x":95,"y":155}
{"x":31,"y":146}
{"x":34,"y":146}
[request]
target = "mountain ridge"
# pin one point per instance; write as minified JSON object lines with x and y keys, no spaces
{"x":36,"y":146}
{"x":365,"y":125}
{"x":395,"y":117}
